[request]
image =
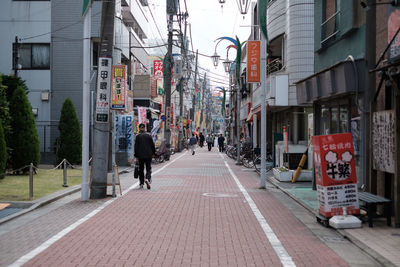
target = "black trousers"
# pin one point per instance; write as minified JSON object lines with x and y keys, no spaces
{"x":209,"y":146}
{"x":221,"y":147}
{"x":142,"y":162}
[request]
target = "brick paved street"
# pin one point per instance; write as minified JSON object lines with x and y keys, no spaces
{"x":196,"y":214}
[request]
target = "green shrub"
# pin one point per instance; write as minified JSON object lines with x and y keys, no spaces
{"x":70,"y":140}
{"x":3,"y":152}
{"x":24,"y":143}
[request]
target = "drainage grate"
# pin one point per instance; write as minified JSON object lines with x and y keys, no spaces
{"x":396,"y":234}
{"x":218,"y":195}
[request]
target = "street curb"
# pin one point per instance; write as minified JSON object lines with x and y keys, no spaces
{"x":51,"y":198}
{"x":345,"y":234}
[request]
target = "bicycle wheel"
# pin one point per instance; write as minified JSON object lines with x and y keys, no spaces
{"x":248,"y":162}
{"x":257,"y":163}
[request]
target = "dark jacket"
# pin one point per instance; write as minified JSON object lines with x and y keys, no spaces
{"x":201,"y":138}
{"x":221,"y":140}
{"x":192,"y":140}
{"x":144,"y":146}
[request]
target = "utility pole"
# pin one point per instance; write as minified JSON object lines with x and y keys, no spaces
{"x":167,"y":82}
{"x":202,"y":100}
{"x":194,"y":95}
{"x":238,"y":123}
{"x":16,"y":57}
{"x":183,"y":53}
{"x":99,"y":171}
{"x":86,"y":101}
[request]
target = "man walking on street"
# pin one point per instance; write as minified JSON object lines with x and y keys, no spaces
{"x":201,"y":140}
{"x":192,"y":143}
{"x":209,"y":141}
{"x":144,"y":151}
{"x":221,"y":141}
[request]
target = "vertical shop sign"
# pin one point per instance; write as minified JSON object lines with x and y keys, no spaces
{"x":158,"y":68}
{"x":253,"y":62}
{"x":142,"y":115}
{"x":118,"y":89}
{"x":103,"y":90}
{"x":335,"y":173}
{"x":153,"y":87}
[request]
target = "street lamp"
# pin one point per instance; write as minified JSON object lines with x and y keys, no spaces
{"x":227,"y":65}
{"x":243,"y":6}
{"x":215,"y":58}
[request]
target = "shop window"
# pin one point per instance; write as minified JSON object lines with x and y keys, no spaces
{"x":329,"y":26}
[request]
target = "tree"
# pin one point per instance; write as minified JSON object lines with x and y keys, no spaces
{"x":12,"y":83}
{"x":24,"y":143}
{"x":3,"y":152}
{"x":5,"y":117}
{"x":70,"y":139}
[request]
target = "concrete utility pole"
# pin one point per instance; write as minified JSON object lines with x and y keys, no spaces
{"x":86,"y":103}
{"x":98,"y":187}
{"x":202,"y":101}
{"x":238,"y":124}
{"x":167,"y":82}
{"x":264,"y":125}
{"x":194,"y":95}
{"x":183,"y":53}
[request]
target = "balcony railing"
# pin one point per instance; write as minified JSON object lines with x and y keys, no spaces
{"x":274,"y":66}
{"x":329,"y":28}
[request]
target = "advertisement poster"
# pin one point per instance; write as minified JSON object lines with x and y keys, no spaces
{"x":103,"y":90}
{"x":124,"y":134}
{"x":393,"y":26}
{"x":118,"y":89}
{"x":142,"y":114}
{"x":335,"y":173}
{"x":253,"y":62}
{"x":384,"y":141}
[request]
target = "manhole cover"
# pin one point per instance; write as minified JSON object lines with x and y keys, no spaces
{"x":218,"y":195}
{"x":334,"y":239}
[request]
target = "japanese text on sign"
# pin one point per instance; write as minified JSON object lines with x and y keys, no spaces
{"x":335,"y":173}
{"x":103,"y":90}
{"x":158,"y":68}
{"x":253,"y":62}
{"x":118,"y":87}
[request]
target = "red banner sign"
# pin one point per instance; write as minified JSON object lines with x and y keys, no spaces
{"x":158,"y":68}
{"x":253,"y":62}
{"x":335,"y":173}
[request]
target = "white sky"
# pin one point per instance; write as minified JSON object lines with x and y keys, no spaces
{"x":208,"y":22}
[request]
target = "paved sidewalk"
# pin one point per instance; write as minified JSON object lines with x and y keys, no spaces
{"x":196,"y":214}
{"x":380,"y":241}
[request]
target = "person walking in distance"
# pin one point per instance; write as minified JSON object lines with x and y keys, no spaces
{"x":144,"y":151}
{"x":209,"y":141}
{"x":201,"y":140}
{"x":192,"y":143}
{"x":221,"y":141}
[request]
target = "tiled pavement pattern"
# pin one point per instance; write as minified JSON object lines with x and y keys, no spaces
{"x":194,"y":215}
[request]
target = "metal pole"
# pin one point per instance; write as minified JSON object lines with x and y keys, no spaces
{"x":238,"y":162}
{"x":65,"y":173}
{"x":31,"y":181}
{"x":85,"y":105}
{"x":113,"y":153}
{"x":263,"y":73}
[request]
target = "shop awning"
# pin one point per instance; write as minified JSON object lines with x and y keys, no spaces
{"x":250,"y":117}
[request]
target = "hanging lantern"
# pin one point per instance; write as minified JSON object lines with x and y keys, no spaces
{"x":243,"y":6}
{"x":221,"y":2}
{"x":215,"y":59}
{"x":227,"y":65}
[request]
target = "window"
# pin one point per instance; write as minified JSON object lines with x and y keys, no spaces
{"x":329,"y":27}
{"x":33,"y":56}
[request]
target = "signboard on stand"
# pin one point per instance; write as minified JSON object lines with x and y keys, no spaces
{"x":335,"y":173}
